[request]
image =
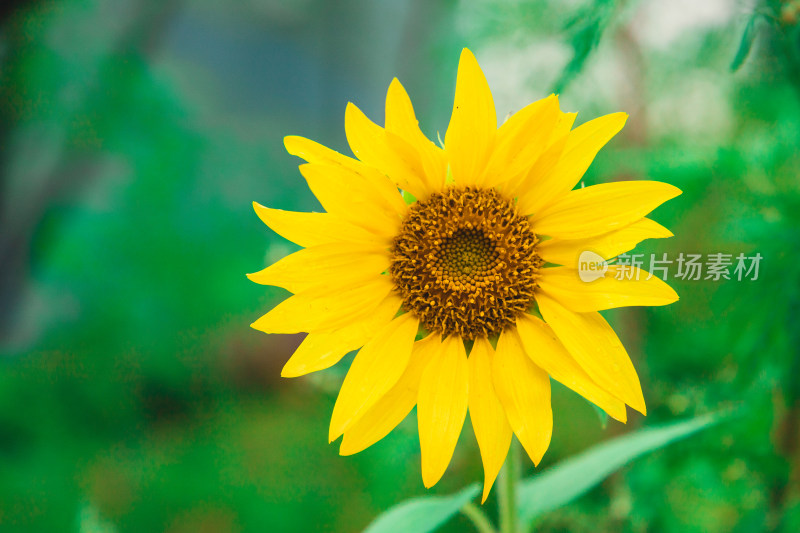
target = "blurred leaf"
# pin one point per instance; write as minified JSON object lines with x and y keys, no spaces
{"x":746,"y":44}
{"x":422,"y":515}
{"x":89,"y":521}
{"x":573,"y":477}
{"x":601,"y":415}
{"x":587,"y":28}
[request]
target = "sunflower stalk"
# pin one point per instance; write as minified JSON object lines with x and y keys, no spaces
{"x":478,"y":518}
{"x":507,"y":490}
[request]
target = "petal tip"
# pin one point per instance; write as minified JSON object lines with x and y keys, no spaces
{"x":344,"y":449}
{"x":674,"y":298}
{"x":289,"y":142}
{"x":428,"y":482}
{"x":466,"y":52}
{"x":670,"y":190}
{"x":487,"y":489}
{"x":292,"y":371}
{"x":431,"y":474}
{"x":333,"y":434}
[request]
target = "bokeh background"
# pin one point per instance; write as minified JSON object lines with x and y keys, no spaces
{"x":135,"y":135}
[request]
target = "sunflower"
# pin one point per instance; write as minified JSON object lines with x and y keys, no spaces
{"x":454,"y":271}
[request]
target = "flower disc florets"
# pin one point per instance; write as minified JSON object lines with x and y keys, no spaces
{"x":465,"y":262}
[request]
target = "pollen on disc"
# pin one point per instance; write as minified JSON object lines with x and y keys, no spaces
{"x":465,"y":262}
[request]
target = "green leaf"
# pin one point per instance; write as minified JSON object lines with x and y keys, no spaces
{"x":573,"y":477}
{"x":422,"y":515}
{"x":746,"y":44}
{"x":586,"y":28}
{"x":89,"y":521}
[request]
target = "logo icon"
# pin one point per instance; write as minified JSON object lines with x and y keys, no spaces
{"x":591,"y":266}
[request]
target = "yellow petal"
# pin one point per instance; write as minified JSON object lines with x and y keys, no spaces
{"x":441,"y":407}
{"x":313,"y":152}
{"x":521,"y":140}
{"x":487,"y":414}
{"x":324,"y":349}
{"x":311,"y":229}
{"x":401,"y":120}
{"x":601,"y":208}
{"x":567,"y":251}
{"x":524,"y":391}
{"x":565,"y":286}
{"x":392,"y":408}
{"x":385,"y":151}
{"x":470,"y":135}
{"x":547,"y":352}
{"x":346,"y":194}
{"x":321,"y":309}
{"x":531,"y":187}
{"x":581,"y":147}
{"x":316,"y":153}
{"x":327,"y":265}
{"x":562,"y":129}
{"x":375,"y":370}
{"x":595,"y":346}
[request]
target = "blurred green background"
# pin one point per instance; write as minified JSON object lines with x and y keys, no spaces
{"x":134,"y":137}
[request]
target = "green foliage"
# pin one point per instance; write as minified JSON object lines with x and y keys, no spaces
{"x":422,"y":514}
{"x":748,"y":37}
{"x":573,"y":477}
{"x":585,"y":31}
{"x":545,"y":492}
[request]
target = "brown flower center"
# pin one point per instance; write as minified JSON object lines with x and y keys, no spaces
{"x":465,"y":262}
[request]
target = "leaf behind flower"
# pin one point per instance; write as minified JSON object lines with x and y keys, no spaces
{"x":422,"y":515}
{"x":573,"y":477}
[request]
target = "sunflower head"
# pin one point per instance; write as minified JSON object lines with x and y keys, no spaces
{"x":485,"y":257}
{"x":465,"y":262}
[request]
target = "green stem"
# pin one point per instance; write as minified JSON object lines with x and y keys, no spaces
{"x":507,"y":490}
{"x":478,"y":518}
